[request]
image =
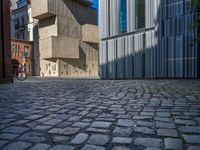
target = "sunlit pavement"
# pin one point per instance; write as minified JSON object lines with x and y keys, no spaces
{"x":67,"y":114}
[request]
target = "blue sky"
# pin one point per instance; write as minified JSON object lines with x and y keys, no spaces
{"x":95,"y":4}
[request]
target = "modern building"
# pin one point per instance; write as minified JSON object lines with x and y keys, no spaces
{"x":68,"y":37}
{"x":22,"y":54}
{"x":5,"y":55}
{"x":148,"y":39}
{"x":24,"y":27}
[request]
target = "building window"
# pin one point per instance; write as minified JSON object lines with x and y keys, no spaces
{"x":140,"y":14}
{"x":29,"y":67}
{"x":26,"y":51}
{"x":28,"y":16}
{"x":23,"y":20}
{"x":123,"y":17}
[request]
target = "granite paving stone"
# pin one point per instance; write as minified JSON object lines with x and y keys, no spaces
{"x":144,"y":130}
{"x":101,"y":124}
{"x":125,"y":122}
{"x":92,"y":114}
{"x":149,"y":142}
{"x":80,"y":138}
{"x":122,"y":131}
{"x":15,"y":129}
{"x":8,"y":136}
{"x":33,"y":137}
{"x":60,"y":139}
{"x":171,"y":143}
{"x":17,"y":146}
{"x":122,"y":140}
{"x":120,"y":148}
{"x":167,"y":132}
{"x":2,"y":143}
{"x":190,"y":129}
{"x":40,"y":146}
{"x":92,"y":147}
{"x":192,"y":147}
{"x":98,"y":139}
{"x":62,"y":147}
{"x":192,"y":139}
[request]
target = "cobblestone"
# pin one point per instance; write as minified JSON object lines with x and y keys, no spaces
{"x":99,"y":124}
{"x":80,"y":138}
{"x":17,"y":145}
{"x":125,"y":122}
{"x":171,"y":143}
{"x":192,"y":139}
{"x":149,"y":142}
{"x":121,"y":131}
{"x":122,"y":140}
{"x":144,"y":130}
{"x":167,"y":132}
{"x":92,"y":147}
{"x":62,"y":147}
{"x":40,"y":146}
{"x":56,"y":114}
{"x":98,"y":139}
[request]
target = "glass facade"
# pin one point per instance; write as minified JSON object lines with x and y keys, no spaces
{"x":123,"y":16}
{"x":140,"y":14}
{"x":157,"y":42}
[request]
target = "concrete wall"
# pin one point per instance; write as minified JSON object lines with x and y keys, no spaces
{"x":85,"y":65}
{"x":65,"y":39}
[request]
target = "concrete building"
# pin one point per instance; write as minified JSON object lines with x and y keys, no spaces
{"x":68,"y":37}
{"x":24,"y":27}
{"x":5,"y":55}
{"x":147,"y":39}
{"x":22,"y":53}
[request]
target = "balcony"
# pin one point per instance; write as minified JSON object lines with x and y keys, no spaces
{"x":42,"y":9}
{"x":59,"y":47}
{"x":20,"y":27}
{"x":90,"y":33}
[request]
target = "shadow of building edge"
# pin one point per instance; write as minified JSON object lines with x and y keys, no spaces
{"x":104,"y":68}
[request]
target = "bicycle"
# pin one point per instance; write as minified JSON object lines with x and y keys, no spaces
{"x":21,"y":75}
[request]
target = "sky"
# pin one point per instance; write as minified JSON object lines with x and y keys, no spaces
{"x":95,"y":4}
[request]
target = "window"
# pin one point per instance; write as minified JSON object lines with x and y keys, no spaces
{"x":26,"y":51}
{"x":28,"y":35}
{"x":140,"y":14}
{"x":29,"y":67}
{"x":23,"y":36}
{"x":18,"y":50}
{"x":23,"y":20}
{"x":123,"y":17}
{"x":28,"y":16}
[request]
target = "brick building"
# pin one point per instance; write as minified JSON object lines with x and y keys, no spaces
{"x":21,"y":52}
{"x":5,"y":58}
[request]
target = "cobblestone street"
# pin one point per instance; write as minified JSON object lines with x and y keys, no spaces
{"x":64,"y":114}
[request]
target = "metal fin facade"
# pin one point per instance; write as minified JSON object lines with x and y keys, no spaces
{"x":165,"y":47}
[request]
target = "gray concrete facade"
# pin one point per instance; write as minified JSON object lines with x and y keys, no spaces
{"x":162,"y":45}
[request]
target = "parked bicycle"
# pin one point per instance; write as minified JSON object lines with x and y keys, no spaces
{"x":21,"y":74}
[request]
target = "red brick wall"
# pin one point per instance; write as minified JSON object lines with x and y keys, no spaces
{"x":5,"y":43}
{"x":17,"y":53}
